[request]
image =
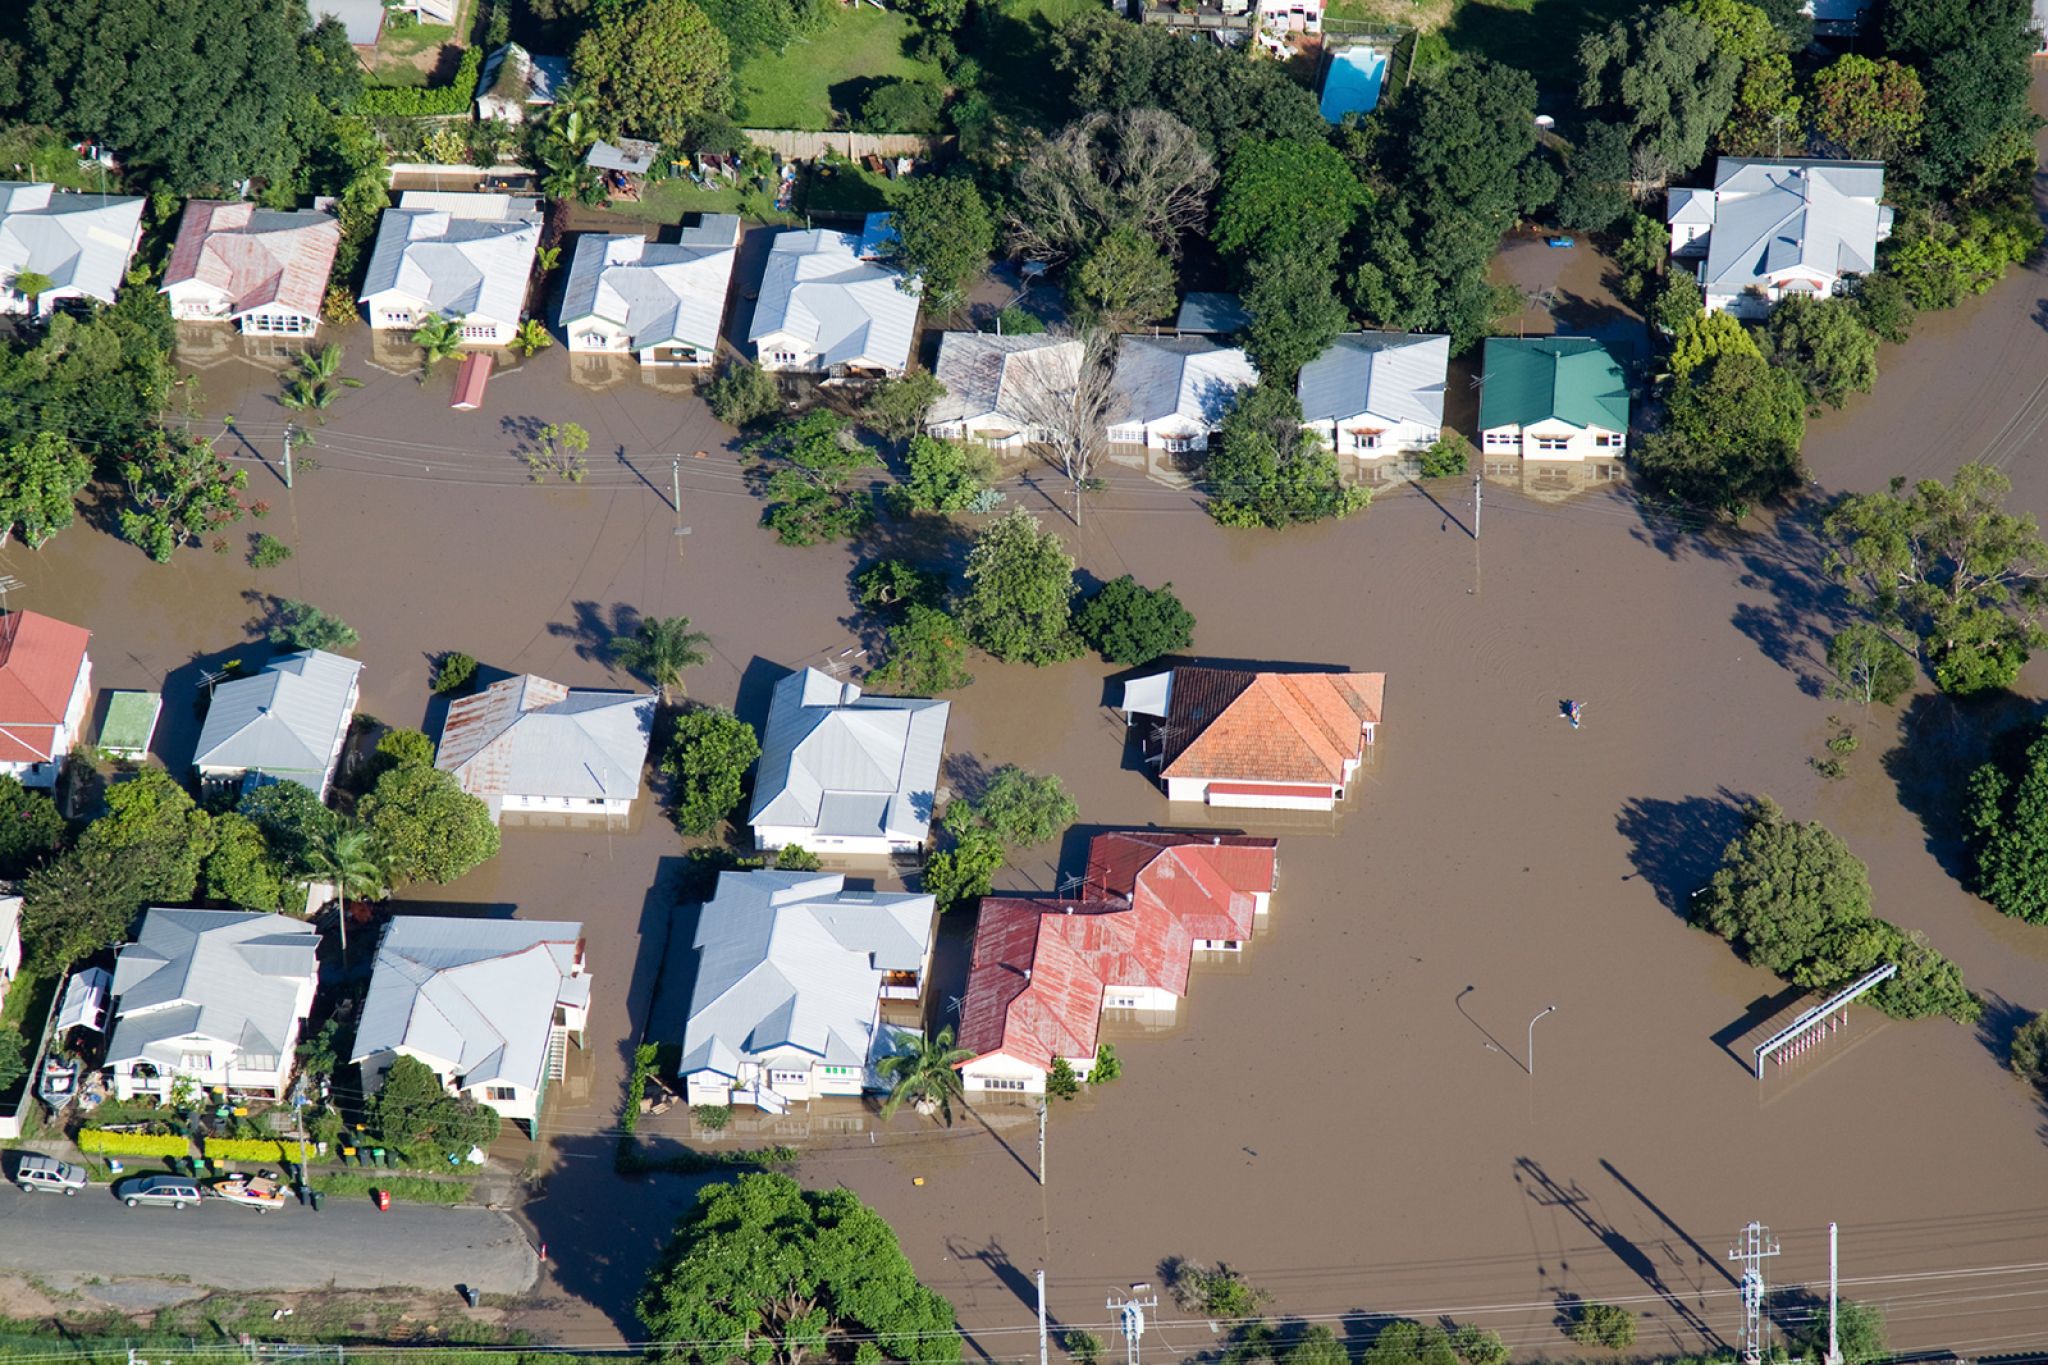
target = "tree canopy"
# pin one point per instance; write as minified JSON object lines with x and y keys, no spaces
{"x":414,"y":1113}
{"x":1826,"y":343}
{"x":1284,"y":195}
{"x":31,"y":827}
{"x":1264,"y":470}
{"x":1731,"y":436}
{"x":1142,"y":170}
{"x":653,"y":69}
{"x":807,"y":474}
{"x":1866,"y":109}
{"x":1667,"y":77}
{"x":1129,"y":623}
{"x":2006,"y":819}
{"x":944,"y":237}
{"x":428,"y":828}
{"x":1947,"y":569}
{"x":708,"y":755}
{"x":1020,"y":590}
{"x":765,"y":1271}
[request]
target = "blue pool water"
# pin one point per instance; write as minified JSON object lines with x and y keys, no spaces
{"x":1352,"y":85}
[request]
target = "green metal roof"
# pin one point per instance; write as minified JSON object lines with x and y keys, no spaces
{"x":131,"y":720}
{"x":1532,"y":379}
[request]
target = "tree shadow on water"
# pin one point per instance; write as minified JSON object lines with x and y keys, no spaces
{"x":1802,"y":608}
{"x":1941,"y":742}
{"x":593,"y":631}
{"x":1676,"y":845}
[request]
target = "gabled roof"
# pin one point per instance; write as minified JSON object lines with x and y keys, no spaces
{"x":1535,"y":379}
{"x":255,"y":256}
{"x":1774,"y":216}
{"x":478,"y":996}
{"x":1189,"y":377}
{"x":795,"y":960}
{"x":1209,"y":882}
{"x":1013,"y":378}
{"x":631,"y":155}
{"x":845,"y":764}
{"x":82,"y":242}
{"x":847,"y":310}
{"x":224,"y":974}
{"x":1267,"y":727}
{"x":285,"y":721}
{"x":527,"y":736}
{"x":1390,"y":375}
{"x":462,"y":255}
{"x":659,"y":292}
{"x":40,"y":657}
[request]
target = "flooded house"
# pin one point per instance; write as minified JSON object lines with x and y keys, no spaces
{"x":464,"y":257}
{"x":264,"y":270}
{"x":287,"y":723}
{"x":846,"y":773}
{"x":45,"y":688}
{"x":827,"y":308}
{"x":659,"y":301}
{"x":1275,"y":741}
{"x":529,"y":744}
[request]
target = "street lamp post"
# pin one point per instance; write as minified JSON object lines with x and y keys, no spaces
{"x":1547,"y":1009}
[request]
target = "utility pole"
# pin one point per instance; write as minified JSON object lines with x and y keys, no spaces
{"x":1755,"y":1248}
{"x":1042,"y":1352}
{"x":675,"y":487}
{"x":1130,"y":1312}
{"x":1478,"y":490}
{"x":1834,"y":1344}
{"x":1042,"y":1106}
{"x":289,"y":432}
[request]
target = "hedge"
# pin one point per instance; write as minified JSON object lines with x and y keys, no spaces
{"x":411,"y":101}
{"x":132,"y":1144}
{"x":406,"y":1189}
{"x":246,"y":1149}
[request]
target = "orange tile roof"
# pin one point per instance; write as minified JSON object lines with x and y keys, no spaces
{"x":1268,"y":727}
{"x":39,"y":662}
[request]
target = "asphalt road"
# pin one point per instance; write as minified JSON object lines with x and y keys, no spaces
{"x":347,"y":1245}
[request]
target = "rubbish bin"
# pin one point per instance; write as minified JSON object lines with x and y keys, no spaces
{"x":377,"y":1155}
{"x":316,"y":1197}
{"x":474,"y":1295}
{"x":383,"y":1198}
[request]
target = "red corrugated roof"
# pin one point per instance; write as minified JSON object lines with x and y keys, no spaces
{"x":1030,"y":999}
{"x":39,"y":662}
{"x":1270,"y":727}
{"x":286,"y":265}
{"x":1206,"y":881}
{"x":470,"y":381}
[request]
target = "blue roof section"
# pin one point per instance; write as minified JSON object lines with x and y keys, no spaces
{"x":877,"y":235}
{"x":1212,"y":315}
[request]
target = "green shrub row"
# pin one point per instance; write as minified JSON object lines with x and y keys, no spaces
{"x":413,"y":1189}
{"x":410,"y":101}
{"x":246,"y":1149}
{"x":132,"y":1144}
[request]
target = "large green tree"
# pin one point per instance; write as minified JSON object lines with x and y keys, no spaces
{"x":1596,"y":193}
{"x":708,"y":755}
{"x":1264,"y":470}
{"x":428,"y":828}
{"x":1867,"y":109}
{"x":1731,"y":436}
{"x":1291,"y":295}
{"x":660,"y":649}
{"x":1020,"y":592}
{"x":1123,"y":280}
{"x":100,"y":380}
{"x":179,"y":490}
{"x":240,"y":868}
{"x":151,"y":820}
{"x":767,"y":1272}
{"x":292,"y":822}
{"x":2006,"y":819}
{"x":1946,"y":569}
{"x":1973,"y":58}
{"x":31,"y":828}
{"x":40,"y":480}
{"x":653,"y":69}
{"x":926,"y":653}
{"x":808,"y":472}
{"x":1455,"y":167}
{"x":1021,"y":809}
{"x":414,"y":1113}
{"x":196,"y":95}
{"x":83,"y":902}
{"x":944,"y":237}
{"x":1827,"y":343}
{"x":1667,"y":77}
{"x":1284,"y":195}
{"x":1129,"y":623}
{"x":1792,"y":898}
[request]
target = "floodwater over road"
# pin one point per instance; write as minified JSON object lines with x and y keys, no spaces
{"x":1347,"y":1115}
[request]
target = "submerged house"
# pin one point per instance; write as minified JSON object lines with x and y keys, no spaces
{"x":1279,"y":741}
{"x":660,"y":301}
{"x":842,"y":772}
{"x":287,"y":723}
{"x":528,"y":744}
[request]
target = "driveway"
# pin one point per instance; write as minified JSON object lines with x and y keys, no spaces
{"x":348,"y":1245}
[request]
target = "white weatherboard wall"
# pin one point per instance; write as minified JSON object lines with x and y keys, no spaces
{"x":1553,"y":439}
{"x":1281,"y":798}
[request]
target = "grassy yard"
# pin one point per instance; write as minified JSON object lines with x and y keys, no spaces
{"x":829,"y":71}
{"x":53,"y":159}
{"x":670,"y":201}
{"x":1540,"y":36}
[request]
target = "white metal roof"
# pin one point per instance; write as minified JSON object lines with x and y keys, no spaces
{"x":1771,"y":216}
{"x":1395,"y":376}
{"x":285,"y":721}
{"x":846,"y":310}
{"x":841,"y":763}
{"x":1008,"y":377}
{"x":1188,"y":377}
{"x":794,"y":960}
{"x":477,"y":996}
{"x":457,"y":255}
{"x":659,"y":292}
{"x":527,"y":736}
{"x":221,"y":974}
{"x":82,"y":242}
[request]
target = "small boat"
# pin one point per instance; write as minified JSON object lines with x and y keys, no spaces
{"x":259,"y":1192}
{"x":58,"y":1085}
{"x":1559,"y":242}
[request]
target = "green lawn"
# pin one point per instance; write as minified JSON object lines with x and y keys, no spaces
{"x":53,"y":158}
{"x":670,"y":201}
{"x":1540,"y":36}
{"x":832,"y":69}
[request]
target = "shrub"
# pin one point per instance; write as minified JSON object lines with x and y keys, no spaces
{"x":742,"y":394}
{"x":1128,"y":623}
{"x":268,"y":552}
{"x":248,"y":1149}
{"x":1084,"y":1347}
{"x":1217,"y":1293}
{"x":2030,"y":1051}
{"x":709,"y":752}
{"x":454,"y":673}
{"x":1015,"y":321}
{"x":1451,"y":455}
{"x":98,"y":1142}
{"x":415,"y":102}
{"x":406,"y":1189}
{"x":301,"y":625}
{"x":403,"y":748}
{"x":1061,"y":1082}
{"x":1603,"y":1324}
{"x":712,"y":1116}
{"x":1107,"y":1068}
{"x":945,"y":476}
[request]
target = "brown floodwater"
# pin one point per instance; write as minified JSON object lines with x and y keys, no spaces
{"x":1346,"y":1116}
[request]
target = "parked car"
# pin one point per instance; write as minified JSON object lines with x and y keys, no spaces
{"x":259,"y":1192}
{"x":47,"y":1174}
{"x":174,"y":1190}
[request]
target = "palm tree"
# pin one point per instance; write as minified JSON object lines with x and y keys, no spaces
{"x":317,"y":383}
{"x":925,"y":1072}
{"x":346,"y":854}
{"x":660,"y":650}
{"x":438,"y":338}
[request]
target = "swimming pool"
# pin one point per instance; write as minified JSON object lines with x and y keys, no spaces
{"x":1352,"y":84}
